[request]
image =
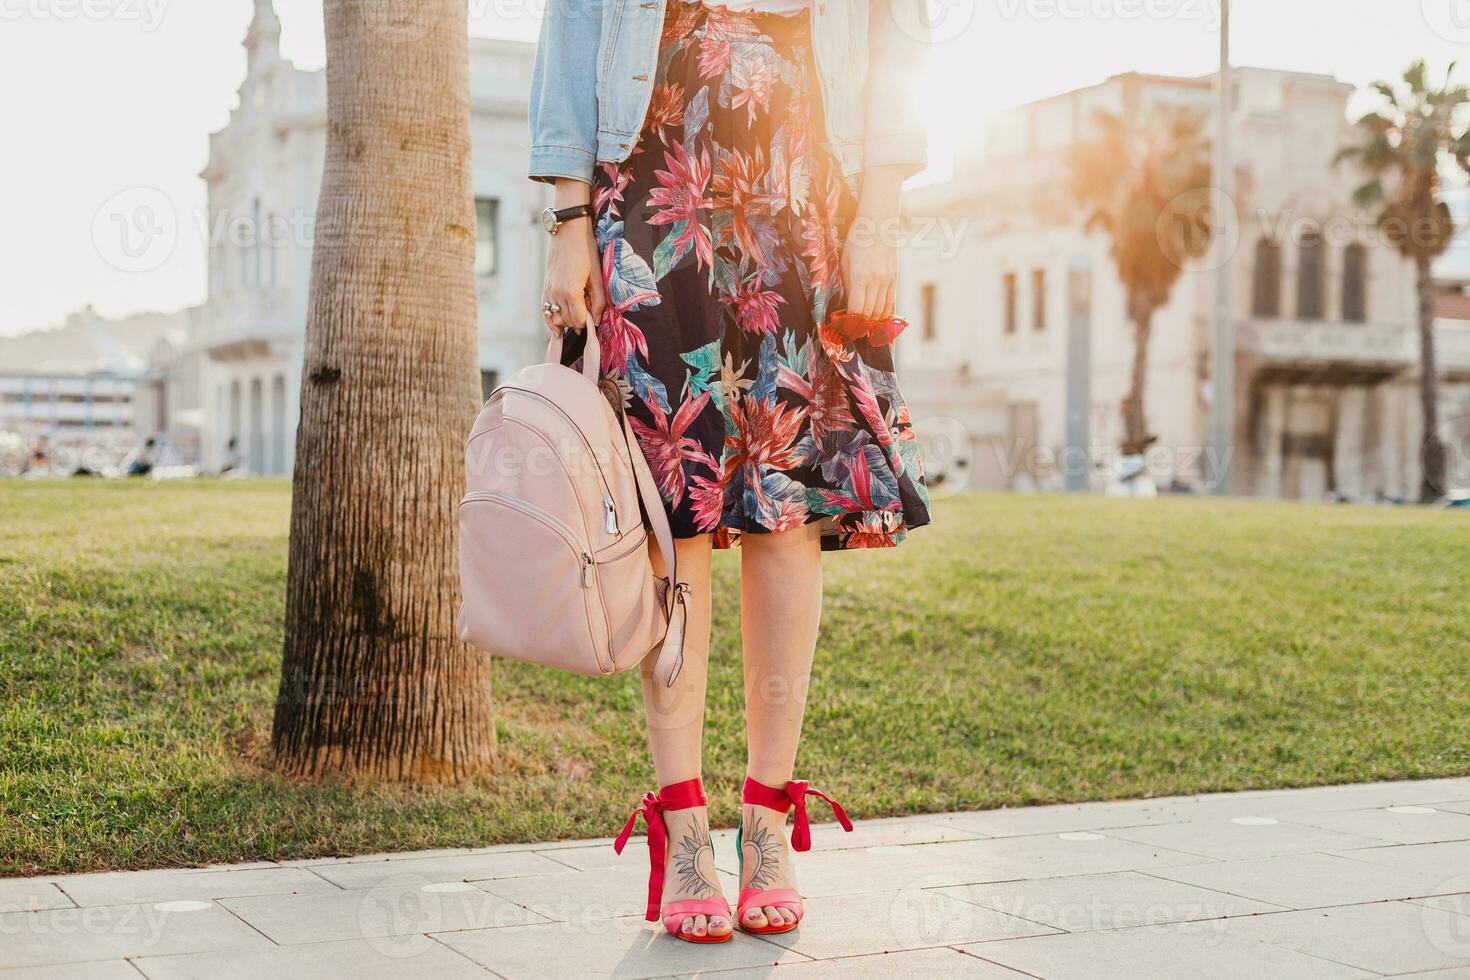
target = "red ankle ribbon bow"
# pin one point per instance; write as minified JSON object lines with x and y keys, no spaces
{"x":843,"y":327}
{"x":794,"y":794}
{"x":675,"y":796}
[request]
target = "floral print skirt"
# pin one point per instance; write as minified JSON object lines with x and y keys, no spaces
{"x":720,"y":238}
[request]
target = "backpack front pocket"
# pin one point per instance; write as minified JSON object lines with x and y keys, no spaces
{"x":530,"y":586}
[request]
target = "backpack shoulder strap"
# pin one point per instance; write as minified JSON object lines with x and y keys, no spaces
{"x":671,"y":651}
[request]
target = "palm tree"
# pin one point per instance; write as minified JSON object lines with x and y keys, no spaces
{"x":1145,"y":183}
{"x":374,"y":681}
{"x":1417,"y":130}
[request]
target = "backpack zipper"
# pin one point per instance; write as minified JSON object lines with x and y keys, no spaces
{"x":607,"y":501}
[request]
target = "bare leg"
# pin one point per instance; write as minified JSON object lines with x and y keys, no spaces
{"x":780,"y":612}
{"x":675,"y":736}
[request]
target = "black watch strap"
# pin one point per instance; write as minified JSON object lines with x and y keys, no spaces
{"x":575,"y":211}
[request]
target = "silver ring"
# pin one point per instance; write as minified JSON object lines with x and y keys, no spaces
{"x":556,"y":307}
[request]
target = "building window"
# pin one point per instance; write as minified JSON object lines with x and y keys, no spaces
{"x":488,"y":382}
{"x":1266,"y":279}
{"x":1009,"y":288}
{"x":487,"y":231}
{"x":1354,"y":284}
{"x":1309,"y":291}
{"x":926,"y":305}
{"x":1038,"y":299}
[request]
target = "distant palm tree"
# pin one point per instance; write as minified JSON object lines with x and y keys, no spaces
{"x":374,"y":681}
{"x":1145,"y":183}
{"x":1415,"y":133}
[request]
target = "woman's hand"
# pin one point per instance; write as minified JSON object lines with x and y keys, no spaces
{"x":870,"y":254}
{"x":573,"y":283}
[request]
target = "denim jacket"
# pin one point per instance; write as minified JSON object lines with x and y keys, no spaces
{"x":868,"y":53}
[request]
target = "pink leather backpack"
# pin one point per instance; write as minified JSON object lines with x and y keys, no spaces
{"x":554,"y":557}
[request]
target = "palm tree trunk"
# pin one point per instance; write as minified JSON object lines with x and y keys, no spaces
{"x":1432,"y":479}
{"x":1135,"y":418}
{"x":374,"y":681}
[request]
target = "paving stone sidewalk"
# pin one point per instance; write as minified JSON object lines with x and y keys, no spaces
{"x":1347,"y":881}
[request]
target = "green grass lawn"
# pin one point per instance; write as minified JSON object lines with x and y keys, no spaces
{"x":1024,"y":650}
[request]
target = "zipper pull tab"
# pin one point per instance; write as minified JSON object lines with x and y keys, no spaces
{"x":586,"y":570}
{"x":610,"y":514}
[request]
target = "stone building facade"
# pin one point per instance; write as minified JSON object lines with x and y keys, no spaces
{"x":242,"y":354}
{"x":1324,"y":311}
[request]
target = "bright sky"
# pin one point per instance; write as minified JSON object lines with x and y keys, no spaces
{"x":102,"y":96}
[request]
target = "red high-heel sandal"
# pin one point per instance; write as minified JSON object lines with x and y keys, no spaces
{"x":781,"y":800}
{"x":675,"y":796}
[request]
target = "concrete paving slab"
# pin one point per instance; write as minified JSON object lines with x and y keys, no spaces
{"x":1443,"y":861}
{"x":145,"y":887}
{"x":884,"y":869}
{"x":1059,"y":818}
{"x":624,"y":948}
{"x":31,"y":894}
{"x":1383,"y":937}
{"x":1198,"y":950}
{"x":417,"y":958}
{"x":1305,"y":881}
{"x":1409,"y":824}
{"x":1253,"y":838}
{"x":101,"y":970}
{"x":77,"y":935}
{"x":915,"y":918}
{"x":601,"y":856}
{"x":887,"y":833}
{"x":579,"y":896}
{"x":939,"y":962}
{"x":1065,"y":853}
{"x":456,"y":867}
{"x":1108,"y":901}
{"x":402,"y":907}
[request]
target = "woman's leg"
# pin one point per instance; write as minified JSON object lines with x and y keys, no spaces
{"x":675,"y":736}
{"x":780,"y":612}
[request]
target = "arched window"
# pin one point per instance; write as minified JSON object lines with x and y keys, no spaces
{"x":1266,"y":279}
{"x":1354,"y":284}
{"x":1309,"y":291}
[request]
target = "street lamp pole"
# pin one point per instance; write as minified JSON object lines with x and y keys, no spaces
{"x":1222,"y":350}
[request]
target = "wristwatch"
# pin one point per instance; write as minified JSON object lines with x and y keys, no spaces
{"x":552,"y":219}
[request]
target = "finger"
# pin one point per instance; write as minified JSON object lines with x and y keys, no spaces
{"x":887,"y":301}
{"x":574,"y":312}
{"x":864,"y":304}
{"x":596,"y":297}
{"x":560,"y":309}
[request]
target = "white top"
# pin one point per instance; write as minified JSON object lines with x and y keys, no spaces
{"x":763,"y":6}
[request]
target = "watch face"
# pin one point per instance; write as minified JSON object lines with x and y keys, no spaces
{"x":548,"y":220}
